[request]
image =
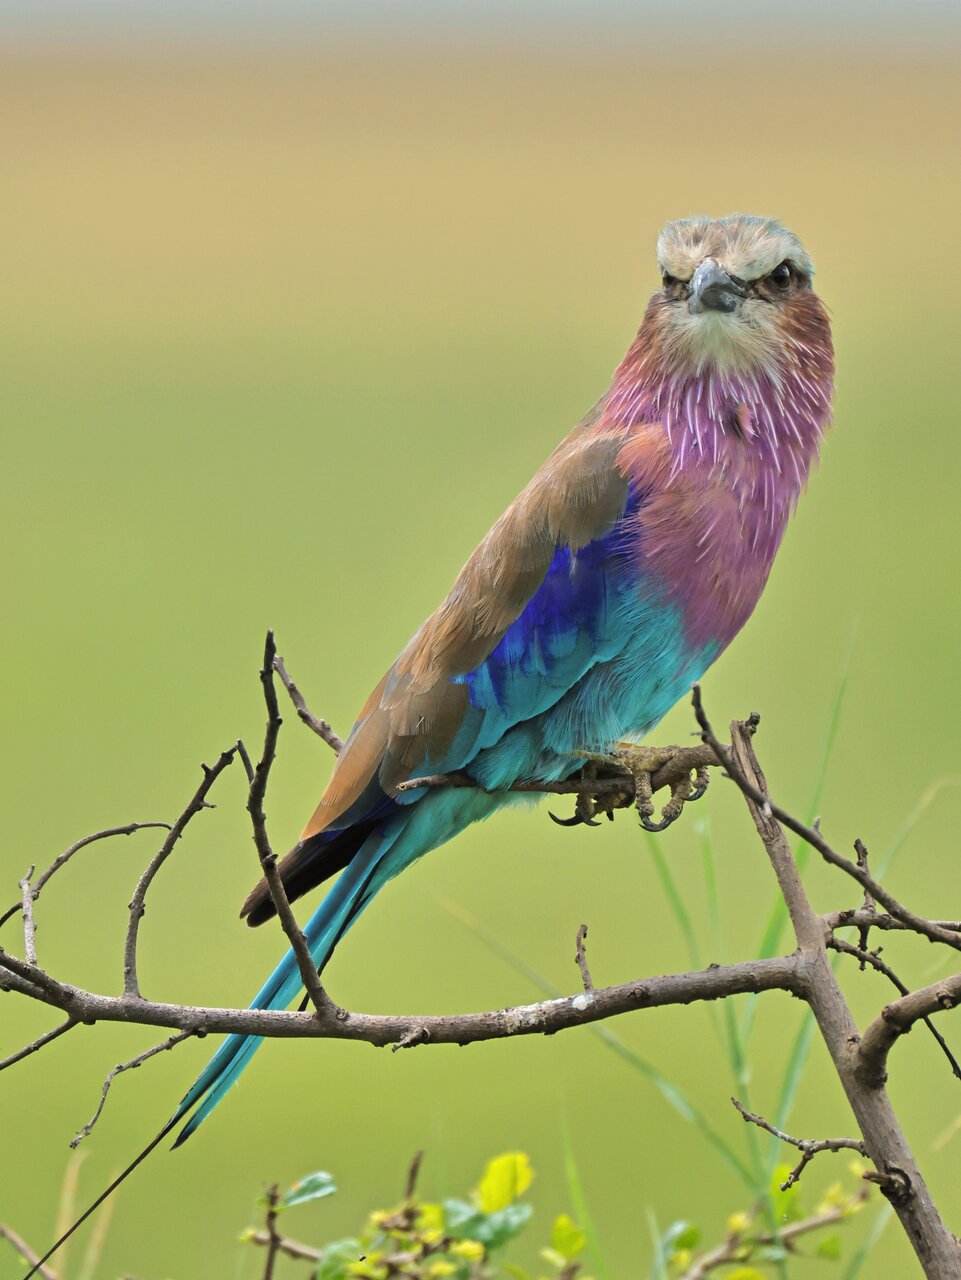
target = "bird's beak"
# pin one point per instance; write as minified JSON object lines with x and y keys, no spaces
{"x":712,"y":289}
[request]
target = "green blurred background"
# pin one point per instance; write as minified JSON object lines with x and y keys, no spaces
{"x":294,"y":300}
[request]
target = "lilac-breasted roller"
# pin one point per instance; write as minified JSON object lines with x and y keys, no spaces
{"x":607,"y":587}
{"x":610,"y":584}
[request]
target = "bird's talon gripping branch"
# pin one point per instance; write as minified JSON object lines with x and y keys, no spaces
{"x":640,"y":772}
{"x":643,"y":763}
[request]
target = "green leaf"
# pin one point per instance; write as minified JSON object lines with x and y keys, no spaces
{"x":337,"y":1256}
{"x":744,"y":1273}
{"x":493,"y":1230}
{"x":829,"y":1247}
{"x":505,"y":1179}
{"x":579,"y":1201}
{"x":784,"y":1204}
{"x":314,"y":1187}
{"x":567,"y":1238}
{"x":681,"y":1235}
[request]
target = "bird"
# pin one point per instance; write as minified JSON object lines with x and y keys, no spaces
{"x":611,"y":583}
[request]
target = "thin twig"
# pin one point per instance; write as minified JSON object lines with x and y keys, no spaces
{"x":814,"y":838}
{"x":581,"y":958}
{"x":732,"y":1249}
{"x":39,"y":1043}
{"x":273,"y":1236}
{"x":868,"y":907}
{"x":268,"y":859}
{"x":851,"y":919}
{"x":292,"y":1248}
{"x":29,"y":924}
{"x":874,"y":960}
{"x":896,"y":1020}
{"x":319,"y":726}
{"x":118,"y":1070}
{"x":412,"y":1174}
{"x":808,"y":1147}
{"x":8,"y":1233}
{"x":137,"y":905}
{"x":67,"y":854}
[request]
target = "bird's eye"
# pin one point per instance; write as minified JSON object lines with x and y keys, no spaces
{"x":668,"y":280}
{"x":781,"y":275}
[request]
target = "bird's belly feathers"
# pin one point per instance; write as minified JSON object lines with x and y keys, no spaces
{"x":624,"y":696}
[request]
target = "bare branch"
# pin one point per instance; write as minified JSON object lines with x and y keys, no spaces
{"x":268,"y":860}
{"x":544,"y":1017}
{"x":319,"y":726}
{"x":813,"y":837}
{"x":808,"y":1147}
{"x":874,"y":960}
{"x":733,"y":1247}
{"x":138,"y":1061}
{"x":292,"y":1248}
{"x":137,"y":903}
{"x":879,"y":920}
{"x":896,"y":1020}
{"x":685,"y":761}
{"x":887,"y":1148}
{"x":7,"y":1233}
{"x":581,"y":958}
{"x":273,"y":1236}
{"x":39,"y":1043}
{"x":67,"y":854}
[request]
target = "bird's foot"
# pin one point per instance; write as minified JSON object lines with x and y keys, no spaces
{"x":650,"y":768}
{"x":630,"y":775}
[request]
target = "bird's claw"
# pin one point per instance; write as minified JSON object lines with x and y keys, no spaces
{"x":636,"y":766}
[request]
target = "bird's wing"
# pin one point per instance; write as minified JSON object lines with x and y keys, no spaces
{"x":521,"y":625}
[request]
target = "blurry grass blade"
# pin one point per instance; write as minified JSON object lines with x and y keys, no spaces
{"x":853,"y":1268}
{"x":67,"y":1206}
{"x":675,"y":900}
{"x":771,"y":938}
{"x":733,"y":1043}
{"x":672,"y":1093}
{"x":944,"y":1138}
{"x":927,"y":798}
{"x":797,"y":1060}
{"x":575,"y":1190}
{"x":98,"y":1236}
{"x":658,"y":1262}
{"x":709,"y":866}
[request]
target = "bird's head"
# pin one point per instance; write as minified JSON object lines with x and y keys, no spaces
{"x":736,"y":292}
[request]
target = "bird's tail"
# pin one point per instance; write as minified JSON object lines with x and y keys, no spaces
{"x":351,"y":893}
{"x":355,"y":888}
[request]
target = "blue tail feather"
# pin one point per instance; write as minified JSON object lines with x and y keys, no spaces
{"x":324,"y":930}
